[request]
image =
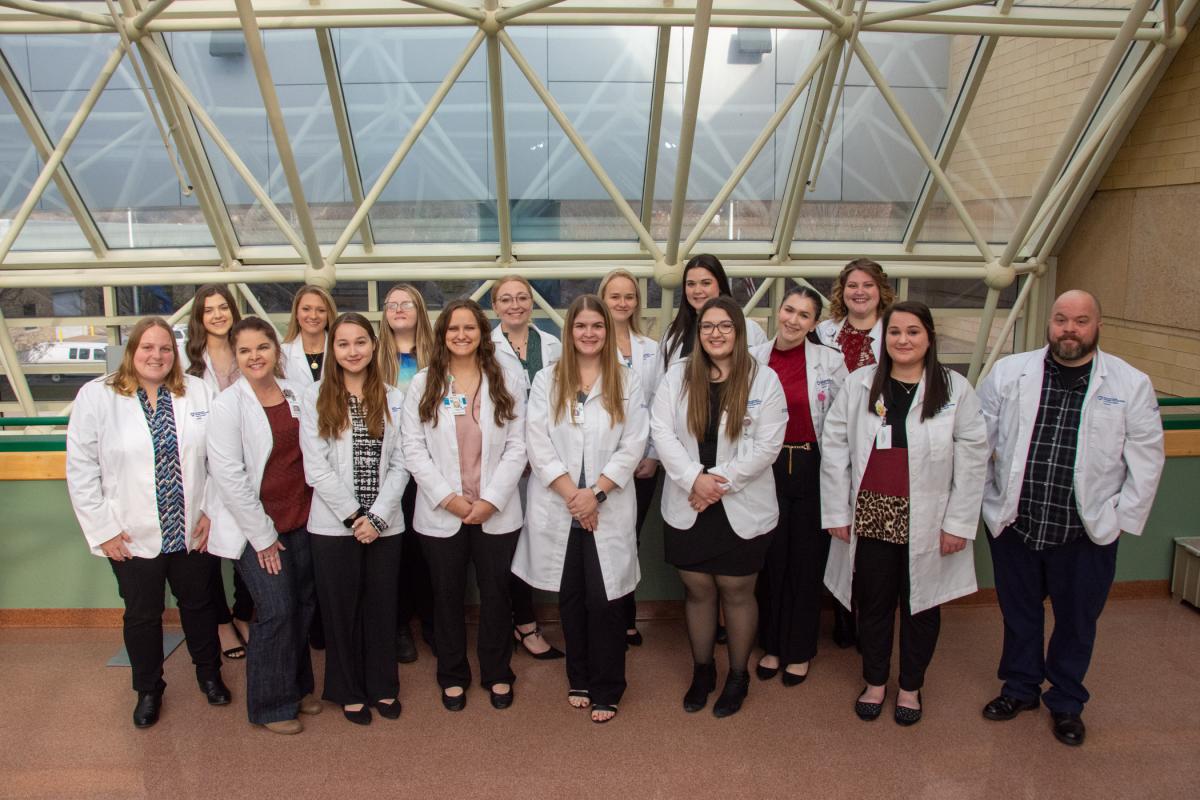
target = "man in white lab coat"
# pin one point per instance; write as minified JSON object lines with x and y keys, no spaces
{"x":1078,"y":452}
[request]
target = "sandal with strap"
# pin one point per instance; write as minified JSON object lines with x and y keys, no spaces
{"x":548,"y":655}
{"x":581,"y":694}
{"x":603,"y":708}
{"x":238,"y":651}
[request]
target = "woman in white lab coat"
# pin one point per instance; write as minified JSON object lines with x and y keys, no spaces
{"x":518,"y":339}
{"x":718,"y":423}
{"x":619,"y":291}
{"x":137,"y":479}
{"x":261,"y":524}
{"x":303,"y":349}
{"x":464,"y":441}
{"x":350,"y":438}
{"x":210,"y":358}
{"x":789,"y":586}
{"x":903,"y":458}
{"x":703,"y":279}
{"x":585,"y":434}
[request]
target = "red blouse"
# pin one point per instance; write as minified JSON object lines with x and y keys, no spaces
{"x":856,"y":346}
{"x":285,"y":495}
{"x":792,"y":368}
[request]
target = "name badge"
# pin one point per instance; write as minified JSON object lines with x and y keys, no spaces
{"x":883,"y":439}
{"x":295,"y":409}
{"x":457,"y":403}
{"x":577,"y":412}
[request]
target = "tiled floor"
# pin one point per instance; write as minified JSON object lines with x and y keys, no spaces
{"x":65,"y":729}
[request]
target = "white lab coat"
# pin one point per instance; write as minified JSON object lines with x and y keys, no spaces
{"x":595,"y":446}
{"x":432,"y":455}
{"x":755,"y":336}
{"x":947,"y":461}
{"x":295,"y":363}
{"x":827,"y":331}
{"x":647,"y":363}
{"x":329,"y":469}
{"x":110,"y":464}
{"x":750,"y":502}
{"x":1119,"y":456}
{"x":551,"y":352}
{"x":825,"y":371}
{"x":239,"y":445}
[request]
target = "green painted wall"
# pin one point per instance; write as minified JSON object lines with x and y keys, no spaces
{"x":47,"y":563}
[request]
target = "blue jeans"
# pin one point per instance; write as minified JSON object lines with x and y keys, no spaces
{"x":278,"y":667}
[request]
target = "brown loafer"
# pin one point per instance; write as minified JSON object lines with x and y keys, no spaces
{"x":309,"y":704}
{"x":285,"y":727}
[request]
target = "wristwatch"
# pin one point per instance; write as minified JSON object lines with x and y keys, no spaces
{"x":601,"y":495}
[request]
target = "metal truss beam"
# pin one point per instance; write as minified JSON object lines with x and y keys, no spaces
{"x":658,"y":91}
{"x":341,"y":121}
{"x":687,"y":132}
{"x":495,"y":77}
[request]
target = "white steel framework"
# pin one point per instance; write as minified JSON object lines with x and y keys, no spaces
{"x":1140,"y":37}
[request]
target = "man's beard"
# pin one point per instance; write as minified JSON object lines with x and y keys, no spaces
{"x":1068,"y":349}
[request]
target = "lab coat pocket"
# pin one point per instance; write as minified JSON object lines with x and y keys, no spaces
{"x":940,"y":431}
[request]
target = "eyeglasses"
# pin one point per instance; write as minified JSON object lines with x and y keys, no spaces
{"x":508,"y":299}
{"x":407,"y":305}
{"x":709,"y":328}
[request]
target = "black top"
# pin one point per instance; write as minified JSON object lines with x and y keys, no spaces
{"x":315,"y":361}
{"x":708,"y":446}
{"x":898,"y":397}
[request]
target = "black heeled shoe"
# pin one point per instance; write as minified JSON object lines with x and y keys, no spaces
{"x":633,"y":639}
{"x":765,"y":673}
{"x":737,"y":686}
{"x":868,"y":712}
{"x":360,"y":717}
{"x":406,"y":648}
{"x":388,"y":710}
{"x":704,"y":680}
{"x":548,"y":655}
{"x":454,"y":703}
{"x":145,"y":713}
{"x":793,"y":679}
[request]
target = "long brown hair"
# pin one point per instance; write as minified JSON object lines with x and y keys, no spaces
{"x":333,"y":401}
{"x":887,"y":295}
{"x":197,"y":336}
{"x":735,"y":390}
{"x":567,"y":382}
{"x":437,"y":384}
{"x":682,"y":332}
{"x":293,"y":329}
{"x":389,"y":357}
{"x":937,"y":379}
{"x":259,"y":325}
{"x":635,"y":322}
{"x":125,"y":380}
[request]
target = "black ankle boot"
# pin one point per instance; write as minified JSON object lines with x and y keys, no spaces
{"x":704,"y":680}
{"x":737,"y":685}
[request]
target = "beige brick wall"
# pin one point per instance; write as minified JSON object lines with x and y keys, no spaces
{"x":1171,"y":357}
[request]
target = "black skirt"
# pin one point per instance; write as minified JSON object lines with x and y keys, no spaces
{"x":712,"y":547}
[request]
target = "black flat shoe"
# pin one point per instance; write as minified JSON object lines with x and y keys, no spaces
{"x":868,"y":712}
{"x":765,"y":673}
{"x":908,"y":716}
{"x":457,"y":703}
{"x":145,"y":713}
{"x":1069,"y":728}
{"x":633,"y":639}
{"x":548,"y":655}
{"x":501,"y":701}
{"x":737,"y":686}
{"x":406,"y":648}
{"x":215,"y":691}
{"x":704,"y":680}
{"x":1004,"y":708}
{"x":360,"y":717}
{"x":388,"y":710}
{"x":792,"y":679}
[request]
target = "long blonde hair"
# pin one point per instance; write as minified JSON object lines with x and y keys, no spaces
{"x":635,"y":321}
{"x":125,"y":380}
{"x":330,"y":307}
{"x":389,"y":357}
{"x":735,"y":390}
{"x":333,"y":401}
{"x":567,"y":382}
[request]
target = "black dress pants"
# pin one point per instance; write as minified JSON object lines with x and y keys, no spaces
{"x":790,"y":584}
{"x":356,"y":587}
{"x":1076,"y":576}
{"x":448,"y":557}
{"x":643,"y":489}
{"x":881,"y":582}
{"x":415,"y":595}
{"x":142,"y":583}
{"x":593,"y":626}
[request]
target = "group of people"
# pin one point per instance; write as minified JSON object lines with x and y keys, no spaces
{"x":352,"y":475}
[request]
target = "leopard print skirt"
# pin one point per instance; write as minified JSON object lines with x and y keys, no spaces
{"x":881,"y":516}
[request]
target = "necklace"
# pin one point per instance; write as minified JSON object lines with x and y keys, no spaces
{"x":516,"y":349}
{"x":908,"y":388}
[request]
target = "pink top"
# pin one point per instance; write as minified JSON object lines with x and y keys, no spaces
{"x":470,"y":449}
